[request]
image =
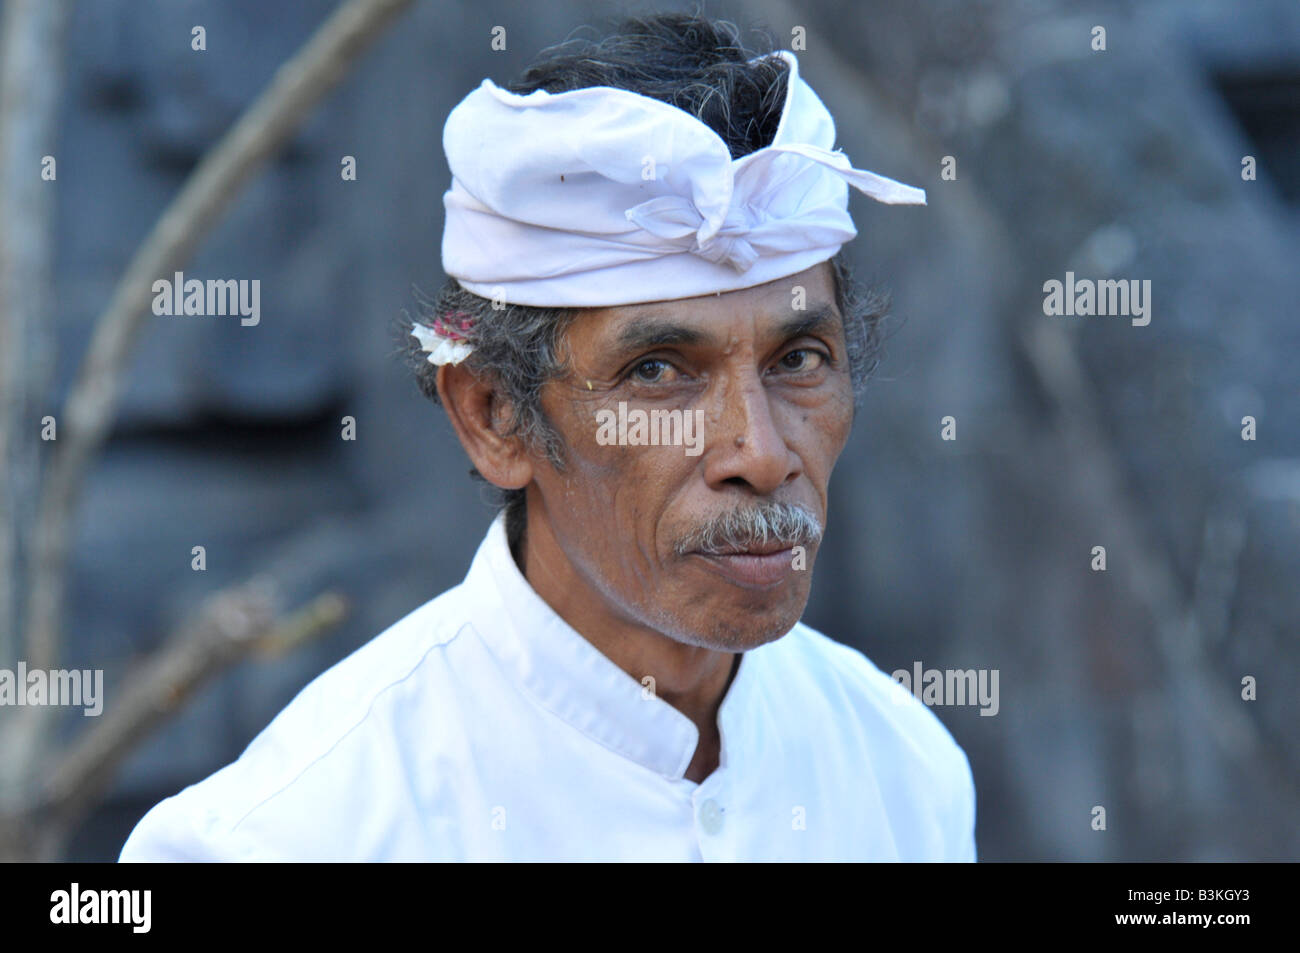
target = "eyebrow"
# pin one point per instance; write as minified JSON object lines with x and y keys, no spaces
{"x":652,"y":332}
{"x":820,"y":319}
{"x":642,"y":334}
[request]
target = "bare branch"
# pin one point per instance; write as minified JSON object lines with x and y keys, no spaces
{"x":229,"y":627}
{"x":1150,"y":576}
{"x":262,"y":130}
{"x":31,"y":54}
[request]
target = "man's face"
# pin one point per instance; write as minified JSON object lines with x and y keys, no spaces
{"x":766,"y":404}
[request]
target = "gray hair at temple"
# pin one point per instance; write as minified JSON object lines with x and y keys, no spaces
{"x":700,"y":66}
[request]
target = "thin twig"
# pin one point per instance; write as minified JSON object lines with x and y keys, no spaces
{"x":229,"y":627}
{"x":31,"y":57}
{"x":259,"y":133}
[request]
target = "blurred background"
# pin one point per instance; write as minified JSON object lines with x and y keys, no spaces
{"x":1120,"y":688}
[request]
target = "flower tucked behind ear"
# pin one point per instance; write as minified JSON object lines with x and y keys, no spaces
{"x":446,"y":341}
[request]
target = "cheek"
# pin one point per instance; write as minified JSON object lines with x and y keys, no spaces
{"x":606,"y":509}
{"x":838,"y":423}
{"x":613,"y":487}
{"x":592,"y":464}
{"x":820,"y":429}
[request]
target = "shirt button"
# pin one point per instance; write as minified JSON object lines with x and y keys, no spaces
{"x":710,"y":816}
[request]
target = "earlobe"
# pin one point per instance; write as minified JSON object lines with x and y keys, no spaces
{"x":481,"y":420}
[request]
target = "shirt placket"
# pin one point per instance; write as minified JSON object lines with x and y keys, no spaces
{"x":714,"y":822}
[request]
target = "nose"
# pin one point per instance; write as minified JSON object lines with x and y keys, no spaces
{"x":745,"y":446}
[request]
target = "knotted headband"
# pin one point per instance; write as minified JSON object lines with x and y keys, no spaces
{"x":600,"y":197}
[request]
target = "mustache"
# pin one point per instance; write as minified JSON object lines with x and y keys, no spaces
{"x":748,"y":526}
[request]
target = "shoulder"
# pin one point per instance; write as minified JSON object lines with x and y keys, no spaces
{"x":874,"y":712}
{"x":848,"y":673}
{"x":336,"y":729}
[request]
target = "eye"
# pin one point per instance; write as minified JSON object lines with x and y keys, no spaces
{"x":650,"y":371}
{"x":802,"y":359}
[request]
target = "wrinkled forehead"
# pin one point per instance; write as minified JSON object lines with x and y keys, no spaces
{"x":804,"y":301}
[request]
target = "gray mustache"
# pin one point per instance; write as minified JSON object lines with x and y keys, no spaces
{"x":743,"y":527}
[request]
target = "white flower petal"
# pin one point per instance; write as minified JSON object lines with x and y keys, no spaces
{"x":442,"y":350}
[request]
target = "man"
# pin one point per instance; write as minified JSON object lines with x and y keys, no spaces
{"x":650,"y":346}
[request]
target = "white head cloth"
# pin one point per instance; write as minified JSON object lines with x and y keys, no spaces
{"x":600,"y":197}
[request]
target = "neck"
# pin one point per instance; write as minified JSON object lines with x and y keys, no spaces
{"x":692,"y":679}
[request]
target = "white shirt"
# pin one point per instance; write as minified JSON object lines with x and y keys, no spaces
{"x":483,"y":727}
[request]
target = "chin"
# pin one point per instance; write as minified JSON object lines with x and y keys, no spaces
{"x":738,"y":632}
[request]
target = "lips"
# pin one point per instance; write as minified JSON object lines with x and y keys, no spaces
{"x":762,"y":566}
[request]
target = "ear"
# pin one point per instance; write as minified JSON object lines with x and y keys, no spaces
{"x":480,"y":419}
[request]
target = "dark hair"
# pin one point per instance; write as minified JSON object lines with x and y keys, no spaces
{"x":700,"y":66}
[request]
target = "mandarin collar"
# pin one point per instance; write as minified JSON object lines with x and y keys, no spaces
{"x":569,"y":677}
